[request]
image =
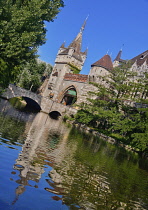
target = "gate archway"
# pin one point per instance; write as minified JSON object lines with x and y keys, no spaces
{"x":70,"y":96}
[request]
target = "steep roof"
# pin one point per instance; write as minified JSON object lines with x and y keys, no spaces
{"x":64,"y":52}
{"x":141,"y":58}
{"x":77,"y":42}
{"x":104,"y":62}
{"x":118,"y":56}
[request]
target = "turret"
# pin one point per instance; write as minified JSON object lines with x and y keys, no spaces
{"x":101,"y":68}
{"x":72,"y":53}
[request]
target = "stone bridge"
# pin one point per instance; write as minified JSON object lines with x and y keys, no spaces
{"x":44,"y":104}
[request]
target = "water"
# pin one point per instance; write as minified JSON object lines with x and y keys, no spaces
{"x":46,"y":165}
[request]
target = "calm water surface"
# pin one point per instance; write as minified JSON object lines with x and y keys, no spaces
{"x":46,"y":165}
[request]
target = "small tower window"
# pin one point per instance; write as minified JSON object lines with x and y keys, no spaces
{"x":142,"y":56}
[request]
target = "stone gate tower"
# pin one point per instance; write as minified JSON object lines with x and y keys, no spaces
{"x":67,"y":59}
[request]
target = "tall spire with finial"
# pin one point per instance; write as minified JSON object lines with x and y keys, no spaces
{"x":77,"y":42}
{"x":118,"y":57}
{"x":84,"y":24}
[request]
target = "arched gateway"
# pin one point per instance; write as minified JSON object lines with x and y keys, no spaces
{"x":70,"y":96}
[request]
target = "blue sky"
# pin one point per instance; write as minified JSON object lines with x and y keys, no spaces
{"x":111,"y":24}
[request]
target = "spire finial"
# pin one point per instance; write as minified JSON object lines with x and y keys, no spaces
{"x":107,"y":52}
{"x":86,"y":51}
{"x":83,"y":26}
{"x":122,"y":47}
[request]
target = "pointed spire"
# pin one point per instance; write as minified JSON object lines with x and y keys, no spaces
{"x":118,"y":57}
{"x":63,"y":45}
{"x":77,"y":42}
{"x":86,"y":51}
{"x":84,"y":24}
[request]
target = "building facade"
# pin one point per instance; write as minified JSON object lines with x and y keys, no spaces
{"x":67,"y":86}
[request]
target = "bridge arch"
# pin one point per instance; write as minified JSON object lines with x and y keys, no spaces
{"x":32,"y":104}
{"x":28,"y":103}
{"x":69,"y":96}
{"x":32,"y":99}
{"x":55,"y":115}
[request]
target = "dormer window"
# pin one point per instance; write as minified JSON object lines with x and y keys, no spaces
{"x":142,"y":56}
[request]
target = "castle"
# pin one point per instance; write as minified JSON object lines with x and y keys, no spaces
{"x":67,"y":86}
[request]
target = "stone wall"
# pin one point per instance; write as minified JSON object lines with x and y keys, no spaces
{"x":15,"y":91}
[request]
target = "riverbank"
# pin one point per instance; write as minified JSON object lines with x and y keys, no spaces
{"x":111,"y":140}
{"x":46,"y":157}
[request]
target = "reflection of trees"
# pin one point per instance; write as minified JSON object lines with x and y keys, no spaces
{"x":11,"y":129}
{"x":103,"y":179}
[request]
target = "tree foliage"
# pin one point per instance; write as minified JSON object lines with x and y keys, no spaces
{"x":114,"y":112}
{"x":33,"y":74}
{"x":22,"y":30}
{"x":12,"y":129}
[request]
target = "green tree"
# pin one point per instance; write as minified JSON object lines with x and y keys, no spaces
{"x":22,"y":30}
{"x":111,"y":113}
{"x":33,"y":74}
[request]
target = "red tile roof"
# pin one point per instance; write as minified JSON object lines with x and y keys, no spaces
{"x":76,"y":77}
{"x":104,"y":62}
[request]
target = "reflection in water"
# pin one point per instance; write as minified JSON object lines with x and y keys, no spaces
{"x":65,"y":169}
{"x":97,"y":175}
{"x":8,"y":110}
{"x":42,"y":136}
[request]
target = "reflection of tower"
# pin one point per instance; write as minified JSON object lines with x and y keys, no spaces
{"x":29,"y":148}
{"x":67,"y":58}
{"x":19,"y":190}
{"x":30,"y":164}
